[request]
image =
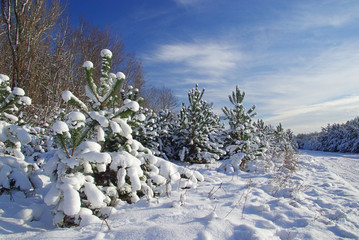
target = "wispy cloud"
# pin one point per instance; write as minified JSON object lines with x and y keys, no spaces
{"x":187,"y":2}
{"x":345,"y":103}
{"x":323,"y":84}
{"x":310,"y":118}
{"x":297,"y":68}
{"x":204,"y":58}
{"x":324,"y":14}
{"x":298,"y":93}
{"x":331,"y":72}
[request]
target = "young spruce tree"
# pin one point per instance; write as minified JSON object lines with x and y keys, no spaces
{"x":197,"y":129}
{"x":242,"y":134}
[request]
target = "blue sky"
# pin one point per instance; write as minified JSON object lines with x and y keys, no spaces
{"x":297,"y":61}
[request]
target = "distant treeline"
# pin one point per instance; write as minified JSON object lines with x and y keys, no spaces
{"x":333,"y":138}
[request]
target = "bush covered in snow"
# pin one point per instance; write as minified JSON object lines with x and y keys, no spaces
{"x":195,"y":135}
{"x":146,"y":130}
{"x":158,"y":133}
{"x":14,"y":171}
{"x":281,"y":158}
{"x":166,"y":125}
{"x":191,"y":136}
{"x":100,"y":164}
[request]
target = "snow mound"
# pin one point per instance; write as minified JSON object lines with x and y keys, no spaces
{"x":18,"y":91}
{"x":60,"y":127}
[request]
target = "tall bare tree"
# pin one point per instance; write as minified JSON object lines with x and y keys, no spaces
{"x":27,"y":25}
{"x":43,"y":53}
{"x":160,"y":98}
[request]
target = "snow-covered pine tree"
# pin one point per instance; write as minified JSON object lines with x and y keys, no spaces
{"x":100,"y":163}
{"x":155,"y":131}
{"x":282,"y":148}
{"x":264,"y":162}
{"x":333,"y":138}
{"x":242,"y":134}
{"x":145,"y":129}
{"x":264,"y":132}
{"x":167,"y":122}
{"x":197,"y":127}
{"x":15,"y":173}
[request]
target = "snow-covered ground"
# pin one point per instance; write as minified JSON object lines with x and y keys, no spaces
{"x":323,"y":204}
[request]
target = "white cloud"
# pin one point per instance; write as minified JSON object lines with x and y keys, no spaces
{"x":311,"y":20}
{"x":308,"y":118}
{"x":198,"y":80}
{"x":298,"y":94}
{"x":304,"y":93}
{"x":203,"y":58}
{"x":290,"y":79}
{"x":306,"y":15}
{"x":187,"y":2}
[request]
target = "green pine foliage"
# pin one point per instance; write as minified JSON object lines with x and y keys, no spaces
{"x":11,"y":100}
{"x":243,"y":136}
{"x":109,"y":150}
{"x":167,"y":127}
{"x":197,"y":126}
{"x":100,"y":163}
{"x":146,"y":129}
{"x":156,"y":131}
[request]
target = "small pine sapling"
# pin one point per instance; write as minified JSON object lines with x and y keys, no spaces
{"x":100,"y":163}
{"x":242,"y":135}
{"x":282,"y":148}
{"x":197,"y":125}
{"x":166,"y":124}
{"x":84,"y":172}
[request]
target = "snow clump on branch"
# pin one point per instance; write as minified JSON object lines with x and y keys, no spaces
{"x":88,"y":65}
{"x":106,"y":53}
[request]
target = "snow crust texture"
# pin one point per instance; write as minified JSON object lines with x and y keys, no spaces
{"x":322,"y":204}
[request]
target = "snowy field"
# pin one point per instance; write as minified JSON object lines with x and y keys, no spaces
{"x":323,"y":203}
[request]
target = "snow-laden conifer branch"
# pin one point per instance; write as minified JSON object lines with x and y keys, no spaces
{"x":67,"y":96}
{"x":91,"y":86}
{"x":106,"y":76}
{"x":113,"y":91}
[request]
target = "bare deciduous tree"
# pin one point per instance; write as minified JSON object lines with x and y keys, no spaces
{"x":44,"y":54}
{"x":160,"y":98}
{"x":27,"y":26}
